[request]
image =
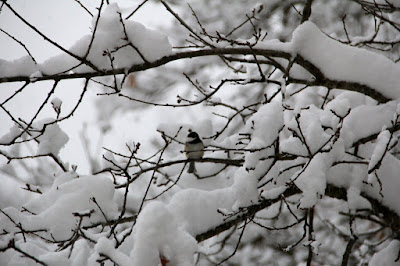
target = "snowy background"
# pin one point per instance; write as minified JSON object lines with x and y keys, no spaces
{"x":109,"y":183}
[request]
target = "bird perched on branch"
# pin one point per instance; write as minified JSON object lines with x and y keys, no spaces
{"x":194,"y":149}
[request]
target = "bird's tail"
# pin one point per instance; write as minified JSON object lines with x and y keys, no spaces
{"x":192,"y":168}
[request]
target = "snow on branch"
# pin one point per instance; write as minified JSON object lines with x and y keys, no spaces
{"x":291,"y":153}
{"x":128,"y":43}
{"x":330,"y":63}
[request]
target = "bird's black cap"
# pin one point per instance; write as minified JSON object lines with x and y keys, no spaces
{"x":193,"y":135}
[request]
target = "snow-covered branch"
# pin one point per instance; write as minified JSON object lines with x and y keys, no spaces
{"x":296,"y":114}
{"x":319,"y":79}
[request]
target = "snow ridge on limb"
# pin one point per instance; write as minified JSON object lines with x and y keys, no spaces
{"x":331,"y":63}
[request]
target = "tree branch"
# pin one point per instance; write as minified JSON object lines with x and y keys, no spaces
{"x":307,"y":11}
{"x":391,"y":218}
{"x":320,"y":79}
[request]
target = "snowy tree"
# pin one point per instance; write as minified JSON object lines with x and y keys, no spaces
{"x":296,"y":103}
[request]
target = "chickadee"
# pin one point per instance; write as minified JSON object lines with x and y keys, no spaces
{"x":194,"y":149}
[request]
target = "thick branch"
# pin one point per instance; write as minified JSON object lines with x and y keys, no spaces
{"x":251,"y":211}
{"x":369,"y":138}
{"x":390,"y":217}
{"x":306,"y":11}
{"x":347,"y":252}
{"x":320,"y":79}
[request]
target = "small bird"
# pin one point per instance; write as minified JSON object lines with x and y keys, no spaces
{"x":194,"y":149}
